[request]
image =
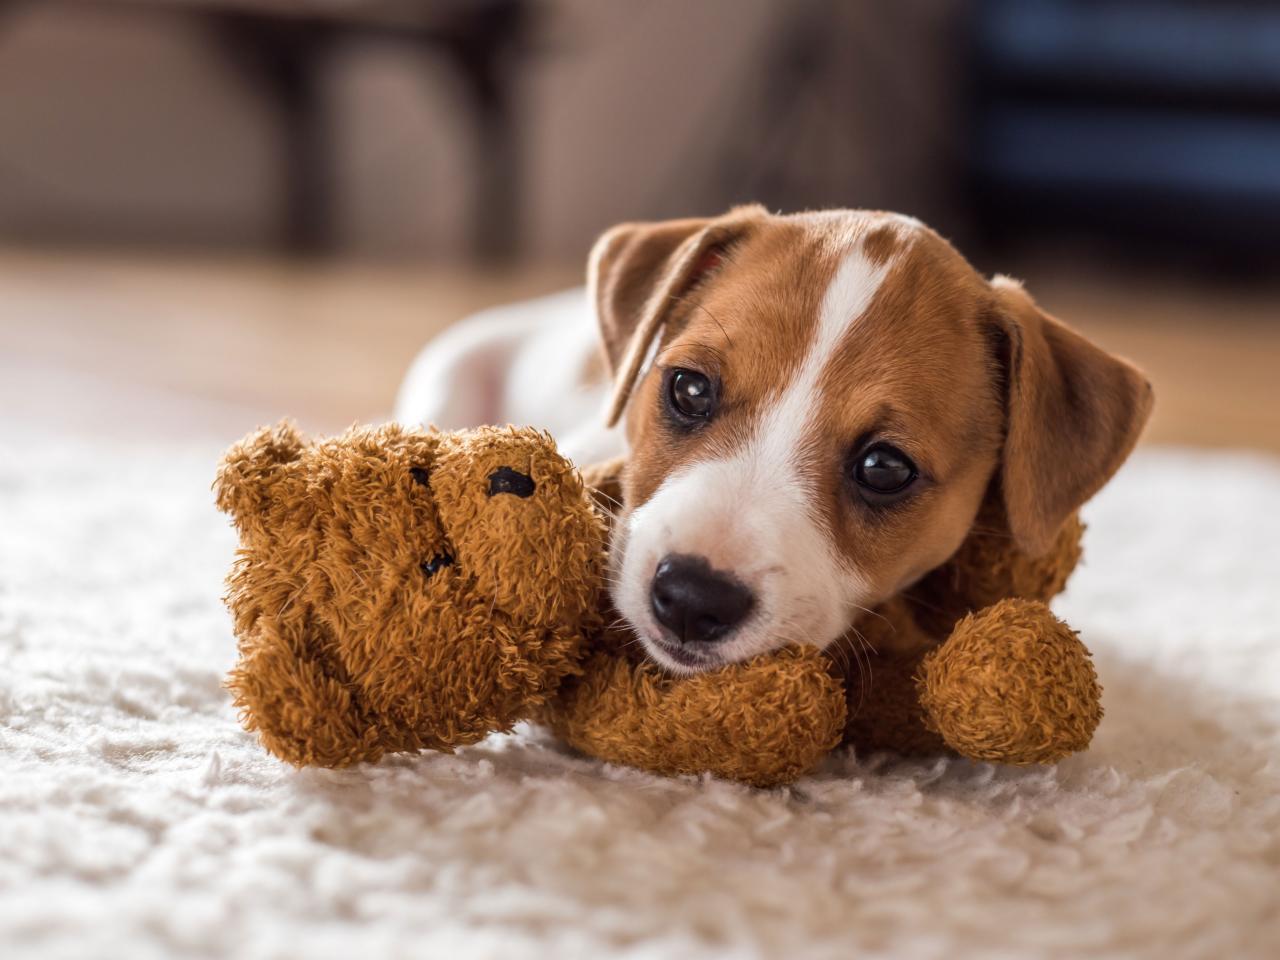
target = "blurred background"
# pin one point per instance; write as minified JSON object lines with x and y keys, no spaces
{"x":217,"y":212}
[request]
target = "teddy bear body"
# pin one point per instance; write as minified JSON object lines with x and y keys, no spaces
{"x":401,"y":590}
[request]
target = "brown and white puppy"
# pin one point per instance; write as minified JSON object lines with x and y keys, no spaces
{"x":814,"y":407}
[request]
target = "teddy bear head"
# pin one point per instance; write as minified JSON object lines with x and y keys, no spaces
{"x":387,"y":527}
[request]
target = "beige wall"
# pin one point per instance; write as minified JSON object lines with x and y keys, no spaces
{"x":125,"y":128}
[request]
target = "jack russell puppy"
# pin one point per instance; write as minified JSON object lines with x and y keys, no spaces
{"x":812,"y":409}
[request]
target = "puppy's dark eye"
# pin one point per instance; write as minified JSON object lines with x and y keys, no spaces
{"x":882,"y":471}
{"x":691,"y":394}
{"x":436,"y":563}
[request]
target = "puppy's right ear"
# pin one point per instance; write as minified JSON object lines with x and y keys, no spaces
{"x":636,"y":272}
{"x":251,"y":473}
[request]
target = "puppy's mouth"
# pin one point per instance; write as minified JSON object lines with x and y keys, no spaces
{"x":668,"y":653}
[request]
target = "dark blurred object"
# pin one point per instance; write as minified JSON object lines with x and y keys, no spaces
{"x":284,"y":46}
{"x":846,"y":105}
{"x":436,"y":128}
{"x":522,"y":128}
{"x":1133,"y":121}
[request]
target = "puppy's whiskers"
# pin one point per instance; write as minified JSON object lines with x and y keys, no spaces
{"x":873,"y":613}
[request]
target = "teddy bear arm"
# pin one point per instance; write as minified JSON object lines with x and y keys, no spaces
{"x":989,"y":567}
{"x":1012,"y":684}
{"x":288,"y":694}
{"x":765,"y":722}
{"x":477,"y":675}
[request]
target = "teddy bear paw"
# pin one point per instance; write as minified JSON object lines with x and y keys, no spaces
{"x":1013,"y":684}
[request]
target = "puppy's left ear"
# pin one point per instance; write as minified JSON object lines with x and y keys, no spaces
{"x":1074,"y":412}
{"x":635,"y":274}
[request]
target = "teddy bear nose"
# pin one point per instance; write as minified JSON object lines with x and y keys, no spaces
{"x":696,"y":603}
{"x":506,"y":480}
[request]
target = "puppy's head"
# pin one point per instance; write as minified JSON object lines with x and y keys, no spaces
{"x":815,"y":406}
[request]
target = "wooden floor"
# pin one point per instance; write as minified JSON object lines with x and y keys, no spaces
{"x":121,"y":346}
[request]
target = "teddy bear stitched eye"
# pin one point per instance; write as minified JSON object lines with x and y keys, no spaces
{"x":506,"y":480}
{"x":420,"y":475}
{"x":436,"y":563}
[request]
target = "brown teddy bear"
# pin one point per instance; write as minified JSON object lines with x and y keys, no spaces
{"x":400,"y":589}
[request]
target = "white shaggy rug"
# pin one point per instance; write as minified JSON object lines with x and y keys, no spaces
{"x":137,"y":820}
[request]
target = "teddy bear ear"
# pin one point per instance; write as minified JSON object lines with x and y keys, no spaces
{"x":252,"y":470}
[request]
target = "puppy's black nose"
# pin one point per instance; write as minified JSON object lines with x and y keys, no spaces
{"x":696,"y":603}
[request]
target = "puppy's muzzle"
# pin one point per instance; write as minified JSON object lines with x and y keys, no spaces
{"x":697,"y":604}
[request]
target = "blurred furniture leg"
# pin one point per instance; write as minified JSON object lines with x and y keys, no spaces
{"x":286,"y":61}
{"x":481,"y":58}
{"x":286,"y":56}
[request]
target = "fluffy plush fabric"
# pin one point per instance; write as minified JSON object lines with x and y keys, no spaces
{"x":137,"y":819}
{"x":766,"y":721}
{"x":1034,"y":695}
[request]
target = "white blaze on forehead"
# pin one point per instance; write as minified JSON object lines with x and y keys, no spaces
{"x":783,"y":428}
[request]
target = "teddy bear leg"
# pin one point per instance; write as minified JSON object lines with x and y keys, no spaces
{"x":300,"y":712}
{"x":764,"y":722}
{"x":1012,"y":684}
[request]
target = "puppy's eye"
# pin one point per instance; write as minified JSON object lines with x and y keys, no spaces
{"x":691,"y":394}
{"x":882,"y":471}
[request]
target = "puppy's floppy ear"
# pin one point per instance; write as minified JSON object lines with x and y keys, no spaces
{"x":1074,"y":412}
{"x":634,"y":274}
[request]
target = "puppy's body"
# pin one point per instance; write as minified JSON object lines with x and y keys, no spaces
{"x":536,"y":363}
{"x":813,"y":409}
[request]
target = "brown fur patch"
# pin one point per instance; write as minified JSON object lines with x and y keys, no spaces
{"x":746,"y":328}
{"x":880,"y":244}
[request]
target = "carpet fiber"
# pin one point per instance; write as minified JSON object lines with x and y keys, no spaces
{"x":137,"y":820}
